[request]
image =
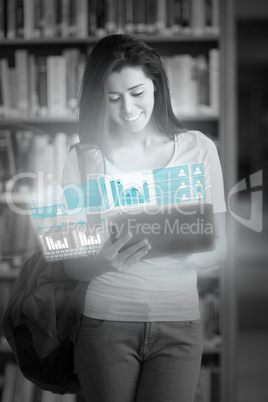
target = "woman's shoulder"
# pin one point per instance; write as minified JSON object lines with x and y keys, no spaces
{"x":195,"y":138}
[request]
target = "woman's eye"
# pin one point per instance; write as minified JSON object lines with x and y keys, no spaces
{"x":138,"y":94}
{"x":113,"y":99}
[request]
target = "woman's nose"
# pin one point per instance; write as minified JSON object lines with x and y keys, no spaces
{"x":127,"y":104}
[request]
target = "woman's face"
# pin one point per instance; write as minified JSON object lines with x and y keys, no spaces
{"x":131,"y":98}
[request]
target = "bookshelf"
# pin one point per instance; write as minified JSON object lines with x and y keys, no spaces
{"x":195,"y":34}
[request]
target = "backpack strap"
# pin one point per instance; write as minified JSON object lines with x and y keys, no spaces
{"x":90,"y":160}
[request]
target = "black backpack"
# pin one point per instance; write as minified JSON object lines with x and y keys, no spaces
{"x":43,"y":314}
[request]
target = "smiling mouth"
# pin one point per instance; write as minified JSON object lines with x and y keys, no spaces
{"x":132,"y":118}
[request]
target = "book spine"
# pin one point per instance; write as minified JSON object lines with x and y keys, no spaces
{"x":214,"y":80}
{"x":121,"y":21}
{"x":112,"y":10}
{"x":100,"y":18}
{"x":65,"y":18}
{"x":208,"y":17}
{"x":50,"y":18}
{"x":11,"y":22}
{"x":186,"y":16}
{"x":198,"y":17}
{"x":14,"y":90}
{"x":203,"y":84}
{"x":42,"y":84}
{"x":161,"y":16}
{"x":22,"y":63}
{"x":151,"y":16}
{"x":140,"y":17}
{"x":92,"y":17}
{"x":56,"y":85}
{"x":19,"y":19}
{"x":2,"y":18}
{"x":38,"y":18}
{"x":82,"y":18}
{"x":4,"y":74}
{"x":170,"y":15}
{"x":215,"y":16}
{"x":33,"y":97}
{"x":177,"y":24}
{"x":73,"y":28}
{"x":28,"y":10}
{"x":129,"y":25}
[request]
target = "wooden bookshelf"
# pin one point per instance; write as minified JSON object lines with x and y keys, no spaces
{"x":221,"y":126}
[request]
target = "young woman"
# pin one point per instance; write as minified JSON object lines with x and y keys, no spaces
{"x":140,"y":337}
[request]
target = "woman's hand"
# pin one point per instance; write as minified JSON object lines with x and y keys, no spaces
{"x":115,"y":260}
{"x":110,"y":259}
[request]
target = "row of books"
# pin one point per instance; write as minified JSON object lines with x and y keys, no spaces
{"x":49,"y":86}
{"x":17,"y":388}
{"x":32,"y":151}
{"x":194,"y":83}
{"x":17,"y":241}
{"x":208,"y":388}
{"x":80,"y":18}
{"x":210,"y":310}
{"x":41,"y":86}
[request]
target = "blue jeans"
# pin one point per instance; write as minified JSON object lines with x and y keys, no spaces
{"x":122,"y":361}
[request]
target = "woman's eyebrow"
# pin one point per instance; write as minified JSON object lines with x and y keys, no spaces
{"x":129,"y":89}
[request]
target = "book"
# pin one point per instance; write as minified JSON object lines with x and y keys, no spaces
{"x":22,"y":65}
{"x":203,"y":84}
{"x":161,"y":16}
{"x":28,"y":18}
{"x":100,"y":10}
{"x":72,"y":57}
{"x":7,"y":158}
{"x":11,"y":22}
{"x":73,"y":28}
{"x":121,"y":20}
{"x":81,"y":18}
{"x":64,"y":18}
{"x":9,"y":382}
{"x":203,"y":392}
{"x":151,"y":16}
{"x":49,"y":18}
{"x":19,"y":19}
{"x":92,"y":17}
{"x":2,"y":19}
{"x":208,"y":17}
{"x":60,"y":144}
{"x":177,"y":21}
{"x":170,"y":16}
{"x":56,"y":85}
{"x":140,"y":16}
{"x":198,"y":17}
{"x":41,"y":70}
{"x":215,"y":16}
{"x":186,"y":16}
{"x":214,"y":80}
{"x":5,"y":88}
{"x":112,"y":10}
{"x":129,"y":24}
{"x":33,"y":90}
{"x":13,"y":90}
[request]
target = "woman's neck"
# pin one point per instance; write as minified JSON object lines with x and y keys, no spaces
{"x":142,"y":139}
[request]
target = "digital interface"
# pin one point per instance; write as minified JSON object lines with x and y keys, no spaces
{"x":65,"y":217}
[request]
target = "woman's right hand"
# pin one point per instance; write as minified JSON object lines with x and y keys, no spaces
{"x":109,"y":259}
{"x":116,"y":260}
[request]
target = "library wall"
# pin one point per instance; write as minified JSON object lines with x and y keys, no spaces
{"x":44,"y":47}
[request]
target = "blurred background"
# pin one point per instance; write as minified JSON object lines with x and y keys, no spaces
{"x":243,"y":147}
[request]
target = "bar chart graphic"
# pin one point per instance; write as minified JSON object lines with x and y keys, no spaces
{"x":56,"y":245}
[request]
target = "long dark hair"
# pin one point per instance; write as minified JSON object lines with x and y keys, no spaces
{"x":111,"y":54}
